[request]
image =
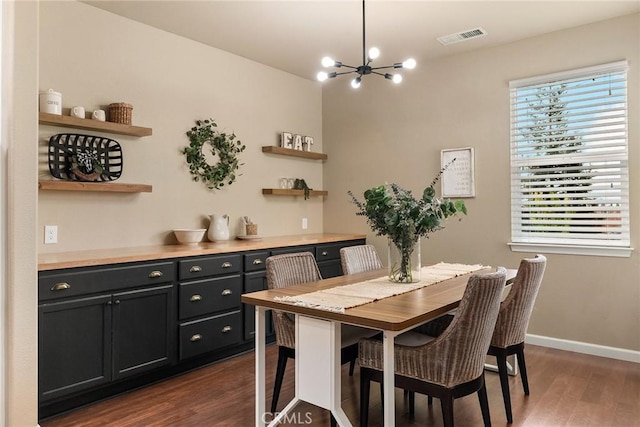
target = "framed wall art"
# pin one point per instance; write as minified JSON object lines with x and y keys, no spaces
{"x":458,"y":180}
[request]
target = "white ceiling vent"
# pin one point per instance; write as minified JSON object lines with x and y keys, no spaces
{"x":462,"y":36}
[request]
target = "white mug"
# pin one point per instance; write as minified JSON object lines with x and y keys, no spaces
{"x":99,"y":115}
{"x":77,"y":111}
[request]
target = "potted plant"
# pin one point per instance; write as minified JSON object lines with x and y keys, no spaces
{"x":394,"y":212}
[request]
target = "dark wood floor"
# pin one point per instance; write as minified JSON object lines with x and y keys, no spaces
{"x":567,"y":389}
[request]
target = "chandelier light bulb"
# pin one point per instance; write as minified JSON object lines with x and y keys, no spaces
{"x":322,"y":76}
{"x":397,"y":78}
{"x":374,"y":52}
{"x":355,"y":83}
{"x":409,"y":64}
{"x":328,"y":62}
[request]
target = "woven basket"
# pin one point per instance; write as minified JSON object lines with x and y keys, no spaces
{"x":120,"y":112}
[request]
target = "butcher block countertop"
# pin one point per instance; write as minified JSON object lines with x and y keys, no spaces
{"x":55,"y":261}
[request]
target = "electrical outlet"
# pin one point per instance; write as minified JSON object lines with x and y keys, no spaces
{"x":305,"y":223}
{"x":50,"y":234}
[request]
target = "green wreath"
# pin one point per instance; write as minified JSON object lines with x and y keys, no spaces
{"x":225,"y":146}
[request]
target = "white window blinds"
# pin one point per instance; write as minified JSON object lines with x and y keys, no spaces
{"x":569,"y":172}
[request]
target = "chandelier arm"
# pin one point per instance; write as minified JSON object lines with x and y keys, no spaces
{"x":346,"y":72}
{"x":349,"y":66}
{"x":382,"y":68}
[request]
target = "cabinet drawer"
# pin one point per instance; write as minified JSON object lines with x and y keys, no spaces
{"x":74,"y":282}
{"x":209,"y":266}
{"x":255,"y":261}
{"x":292,"y":250}
{"x":210,"y":295}
{"x":202,"y":336}
{"x":327,"y":252}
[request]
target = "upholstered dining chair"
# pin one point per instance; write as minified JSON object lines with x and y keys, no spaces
{"x":293,"y":269}
{"x":449,"y":366}
{"x":513,"y":320}
{"x":358,"y":259}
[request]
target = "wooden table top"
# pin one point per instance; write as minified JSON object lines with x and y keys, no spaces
{"x":53,"y":261}
{"x":392,"y":314}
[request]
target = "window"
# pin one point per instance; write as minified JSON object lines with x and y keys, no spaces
{"x":569,"y":169}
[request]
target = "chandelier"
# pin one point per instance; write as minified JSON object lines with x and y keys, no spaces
{"x":366,"y":67}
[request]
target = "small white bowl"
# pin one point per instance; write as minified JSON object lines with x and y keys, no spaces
{"x":189,"y":236}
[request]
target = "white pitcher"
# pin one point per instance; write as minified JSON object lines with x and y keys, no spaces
{"x":219,"y":227}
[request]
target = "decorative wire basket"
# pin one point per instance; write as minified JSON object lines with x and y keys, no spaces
{"x":79,"y":157}
{"x":120,"y":112}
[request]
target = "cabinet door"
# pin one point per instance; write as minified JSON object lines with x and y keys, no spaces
{"x":144,"y":330}
{"x":330,"y":269}
{"x":74,"y":340}
{"x":254,"y":282}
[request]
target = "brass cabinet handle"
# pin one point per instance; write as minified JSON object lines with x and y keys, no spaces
{"x":155,"y":274}
{"x":195,"y":269}
{"x":257,"y":261}
{"x":61,"y":286}
{"x":195,"y":298}
{"x":226,"y":329}
{"x":226,"y":265}
{"x":324,"y":253}
{"x":195,"y":337}
{"x":226,"y":292}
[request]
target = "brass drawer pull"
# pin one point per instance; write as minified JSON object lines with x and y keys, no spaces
{"x":226,"y":329}
{"x":195,"y":337}
{"x":61,"y":286}
{"x":257,"y":261}
{"x":195,"y":269}
{"x":155,"y":274}
{"x":324,"y":253}
{"x":195,"y":298}
{"x":226,"y":292}
{"x":226,"y":265}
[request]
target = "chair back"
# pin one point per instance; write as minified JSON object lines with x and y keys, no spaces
{"x":288,"y":270}
{"x":457,"y":356}
{"x":516,"y":309}
{"x":358,"y":259}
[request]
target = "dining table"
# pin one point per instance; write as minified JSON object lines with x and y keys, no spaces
{"x":318,"y":336}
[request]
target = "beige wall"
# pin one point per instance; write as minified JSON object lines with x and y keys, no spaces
{"x":94,"y":57}
{"x":20,"y":75}
{"x":393,"y":133}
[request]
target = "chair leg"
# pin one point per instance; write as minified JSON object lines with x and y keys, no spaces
{"x":282,"y":364}
{"x":412,"y":403}
{"x":365,"y":388}
{"x":484,"y":405}
{"x":429,"y":400}
{"x":352,"y":365}
{"x":501,"y":360}
{"x":523,"y":370}
{"x":446,"y":403}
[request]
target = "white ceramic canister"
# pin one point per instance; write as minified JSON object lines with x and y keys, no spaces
{"x":51,"y":102}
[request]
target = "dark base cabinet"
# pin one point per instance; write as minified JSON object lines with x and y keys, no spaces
{"x":108,"y":329}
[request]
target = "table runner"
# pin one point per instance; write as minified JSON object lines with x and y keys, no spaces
{"x":340,"y":298}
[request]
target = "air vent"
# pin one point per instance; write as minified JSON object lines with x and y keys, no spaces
{"x":462,"y":36}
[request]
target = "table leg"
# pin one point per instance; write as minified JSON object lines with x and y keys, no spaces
{"x":388,"y":377}
{"x":261,"y":409}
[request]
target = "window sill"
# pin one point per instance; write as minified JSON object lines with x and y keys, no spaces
{"x":545,"y":248}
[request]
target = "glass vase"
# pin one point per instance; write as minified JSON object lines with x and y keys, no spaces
{"x":404,"y":262}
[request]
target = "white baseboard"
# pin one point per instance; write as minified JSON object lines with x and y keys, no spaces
{"x":585,"y":348}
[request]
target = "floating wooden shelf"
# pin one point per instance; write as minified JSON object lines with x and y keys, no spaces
{"x":293,"y":153}
{"x":106,"y":187}
{"x":286,"y":192}
{"x":90,"y":124}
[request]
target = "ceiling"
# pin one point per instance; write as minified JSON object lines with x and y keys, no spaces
{"x":293,"y":36}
